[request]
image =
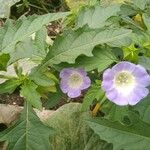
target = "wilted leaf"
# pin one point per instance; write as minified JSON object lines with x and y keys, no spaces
{"x":72,"y":133}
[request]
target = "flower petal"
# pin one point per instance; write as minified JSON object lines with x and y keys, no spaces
{"x":65,"y":73}
{"x":74,"y":93}
{"x":81,"y":71}
{"x":137,"y":95}
{"x":124,"y":66}
{"x":116,"y":97}
{"x":141,"y":75}
{"x":63,"y":85}
{"x":120,"y":100}
{"x":107,"y":82}
{"x":86,"y":83}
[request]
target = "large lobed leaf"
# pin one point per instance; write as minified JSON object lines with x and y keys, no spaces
{"x":102,"y":58}
{"x":145,"y":62}
{"x":96,"y":16}
{"x":134,"y":137}
{"x":144,"y":109}
{"x":29,"y":133}
{"x":12,"y":33}
{"x":69,"y":46}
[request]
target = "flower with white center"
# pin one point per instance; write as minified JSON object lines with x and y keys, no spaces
{"x":126,"y":83}
{"x":73,"y":81}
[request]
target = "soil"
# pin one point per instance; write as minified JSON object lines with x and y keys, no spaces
{"x":12,"y":99}
{"x":15,"y":99}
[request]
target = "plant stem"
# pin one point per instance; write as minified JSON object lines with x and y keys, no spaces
{"x":98,"y":106}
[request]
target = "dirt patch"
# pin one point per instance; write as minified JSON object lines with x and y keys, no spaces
{"x":12,"y":99}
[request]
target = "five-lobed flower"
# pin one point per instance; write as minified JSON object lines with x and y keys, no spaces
{"x":73,"y":81}
{"x":126,"y":83}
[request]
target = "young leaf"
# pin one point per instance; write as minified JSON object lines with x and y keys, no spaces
{"x":134,"y":137}
{"x":29,"y":133}
{"x":97,"y":16}
{"x":29,"y":92}
{"x":42,"y":77}
{"x":9,"y":86}
{"x":12,"y":33}
{"x":68,"y":47}
{"x":103,"y":57}
{"x":4,"y":58}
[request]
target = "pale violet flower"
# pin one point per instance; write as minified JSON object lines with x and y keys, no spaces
{"x":125,"y":83}
{"x":73,"y":81}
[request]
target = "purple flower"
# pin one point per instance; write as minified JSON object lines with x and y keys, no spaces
{"x":73,"y":81}
{"x":126,"y":83}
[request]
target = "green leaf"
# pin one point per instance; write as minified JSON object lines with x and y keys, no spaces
{"x":145,"y":62}
{"x":96,"y":17}
{"x":29,"y":133}
{"x":36,"y":49}
{"x":146,"y":19}
{"x":53,"y":99}
{"x":144,"y":109}
{"x":140,"y":3}
{"x":29,"y":92}
{"x":40,"y":41}
{"x":42,"y":77}
{"x":12,"y":33}
{"x":103,"y":57}
{"x":131,"y":53}
{"x":4,"y":58}
{"x":5,"y":7}
{"x":117,"y":113}
{"x":69,"y":46}
{"x":94,"y":92}
{"x":134,"y":137}
{"x":72,"y":132}
{"x":9,"y":86}
{"x":110,"y":2}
